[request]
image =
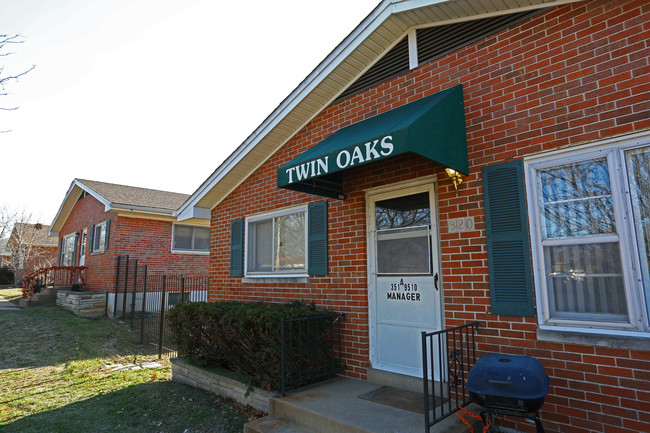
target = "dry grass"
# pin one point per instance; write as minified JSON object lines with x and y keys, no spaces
{"x":53,"y":378}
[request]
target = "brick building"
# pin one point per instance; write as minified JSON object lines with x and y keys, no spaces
{"x":98,"y":221}
{"x":342,"y":196}
{"x":30,"y":248}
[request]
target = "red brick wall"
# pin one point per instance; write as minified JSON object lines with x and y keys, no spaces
{"x":570,"y":75}
{"x":40,"y":257}
{"x":147,"y":240}
{"x":150,"y":242}
{"x":88,"y":211}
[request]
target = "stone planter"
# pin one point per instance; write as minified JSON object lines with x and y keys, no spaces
{"x":221,"y":382}
{"x":84,"y":304}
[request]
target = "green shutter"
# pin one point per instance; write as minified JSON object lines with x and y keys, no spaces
{"x":317,"y":238}
{"x":74,"y":252}
{"x":237,"y":248}
{"x":91,"y":239}
{"x":108,"y":231}
{"x":60,"y":250}
{"x":508,"y":247}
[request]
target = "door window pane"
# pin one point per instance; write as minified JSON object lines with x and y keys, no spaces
{"x":404,"y":251}
{"x":408,"y":211}
{"x":403,"y":235}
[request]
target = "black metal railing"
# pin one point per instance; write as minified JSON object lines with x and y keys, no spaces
{"x":143,"y":298}
{"x":311,"y":349}
{"x":447,"y":357}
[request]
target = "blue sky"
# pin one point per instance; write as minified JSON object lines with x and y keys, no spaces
{"x":150,"y":93}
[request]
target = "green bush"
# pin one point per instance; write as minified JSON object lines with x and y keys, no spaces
{"x":246,"y":338}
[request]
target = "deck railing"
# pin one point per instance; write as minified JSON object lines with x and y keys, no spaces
{"x":447,"y":357}
{"x":53,"y":276}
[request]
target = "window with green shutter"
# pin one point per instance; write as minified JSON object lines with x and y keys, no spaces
{"x":508,"y":247}
{"x":288,"y":242}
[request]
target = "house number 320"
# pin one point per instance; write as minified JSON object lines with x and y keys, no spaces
{"x":459,"y":225}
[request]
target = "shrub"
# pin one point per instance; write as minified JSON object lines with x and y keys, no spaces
{"x":6,"y":275}
{"x":245,"y":337}
{"x":77,"y":287}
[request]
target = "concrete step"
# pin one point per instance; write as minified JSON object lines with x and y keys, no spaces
{"x":27,"y":303}
{"x":335,"y":407}
{"x":44,"y":298}
{"x":270,"y":424}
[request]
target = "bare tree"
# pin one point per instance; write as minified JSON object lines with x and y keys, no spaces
{"x":6,"y":41}
{"x":29,"y":244}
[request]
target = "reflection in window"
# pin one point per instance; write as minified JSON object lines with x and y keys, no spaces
{"x":403,"y":235}
{"x":409,"y":211}
{"x":290,"y":242}
{"x":277,"y":244}
{"x":584,"y":277}
{"x":68,"y":250}
{"x":638,"y":171}
{"x":576,"y":200}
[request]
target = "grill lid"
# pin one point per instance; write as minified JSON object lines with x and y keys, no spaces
{"x":520,"y":377}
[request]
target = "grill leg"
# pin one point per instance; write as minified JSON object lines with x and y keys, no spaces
{"x":487,"y":418}
{"x":538,"y":423}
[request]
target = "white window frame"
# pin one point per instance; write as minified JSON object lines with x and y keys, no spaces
{"x":190,"y":251}
{"x":614,"y":151}
{"x":102,"y":226}
{"x":268,"y":216}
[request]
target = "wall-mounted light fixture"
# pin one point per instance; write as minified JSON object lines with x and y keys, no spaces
{"x":455,"y":176}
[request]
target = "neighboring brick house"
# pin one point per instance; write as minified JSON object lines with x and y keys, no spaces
{"x":98,"y":221}
{"x":543,"y":107}
{"x":5,"y":254}
{"x":31,"y":248}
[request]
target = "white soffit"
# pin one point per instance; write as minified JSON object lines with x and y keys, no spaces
{"x":384,"y":27}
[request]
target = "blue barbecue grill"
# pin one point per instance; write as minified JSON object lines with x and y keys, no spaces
{"x":509,"y":385}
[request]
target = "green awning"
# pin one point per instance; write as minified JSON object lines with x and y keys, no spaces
{"x":432,"y":127}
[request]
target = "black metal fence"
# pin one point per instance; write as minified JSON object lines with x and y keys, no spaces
{"x":447,"y":357}
{"x":142,"y":298}
{"x":311,"y":349}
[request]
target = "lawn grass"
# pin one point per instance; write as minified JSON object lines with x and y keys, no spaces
{"x":12,"y":294}
{"x":53,"y":378}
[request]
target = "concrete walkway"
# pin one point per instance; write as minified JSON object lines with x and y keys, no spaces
{"x":7,"y":306}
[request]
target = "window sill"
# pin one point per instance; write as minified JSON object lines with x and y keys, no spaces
{"x":633,"y":340}
{"x":299,"y":279}
{"x":189,"y":252}
{"x":97,"y":252}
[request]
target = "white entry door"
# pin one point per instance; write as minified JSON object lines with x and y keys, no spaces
{"x":403,"y":263}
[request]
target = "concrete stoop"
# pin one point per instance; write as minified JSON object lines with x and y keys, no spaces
{"x":335,"y":407}
{"x":46,"y":296}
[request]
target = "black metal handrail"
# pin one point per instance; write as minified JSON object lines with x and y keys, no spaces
{"x":311,"y":349}
{"x":453,"y":350}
